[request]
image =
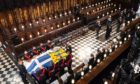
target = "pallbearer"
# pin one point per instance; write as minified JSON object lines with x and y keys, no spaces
{"x":42,"y":47}
{"x":41,"y":75}
{"x":49,"y":45}
{"x":27,"y":56}
{"x":35,"y":51}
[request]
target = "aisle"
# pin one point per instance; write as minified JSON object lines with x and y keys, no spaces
{"x":9,"y":73}
{"x":83,"y":46}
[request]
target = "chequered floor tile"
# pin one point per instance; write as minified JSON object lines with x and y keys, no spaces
{"x":83,"y":46}
{"x":9,"y":73}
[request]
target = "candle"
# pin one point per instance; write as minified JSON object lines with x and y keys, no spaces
{"x":30,"y":36}
{"x":113,"y":74}
{"x":45,"y":30}
{"x":129,"y":35}
{"x":37,"y":22}
{"x":72,"y":81}
{"x":44,"y":20}
{"x":51,"y":27}
{"x":116,"y":46}
{"x":58,"y":25}
{"x":50,"y":18}
{"x":22,"y":39}
{"x":120,"y":42}
{"x":65,"y":13}
{"x":69,"y":12}
{"x":104,"y":55}
{"x":63,"y":23}
{"x":125,"y":38}
{"x":60,"y":15}
{"x":56,"y":16}
{"x":87,"y":13}
{"x":15,"y":29}
{"x":69,"y":22}
{"x":138,"y":27}
{"x":30,"y":24}
{"x":103,"y":15}
{"x":98,"y":60}
{"x":90,"y":67}
{"x":22,"y":27}
{"x":38,"y":33}
{"x":73,"y":20}
{"x":78,"y":18}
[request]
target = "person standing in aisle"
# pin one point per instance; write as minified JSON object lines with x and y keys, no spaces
{"x":119,"y":22}
{"x":109,"y":21}
{"x":108,"y":32}
{"x":109,"y":27}
{"x":98,"y":28}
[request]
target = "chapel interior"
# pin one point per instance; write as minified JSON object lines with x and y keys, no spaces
{"x":69,"y":41}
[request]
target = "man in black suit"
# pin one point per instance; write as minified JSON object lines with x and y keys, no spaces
{"x":119,"y":22}
{"x":133,"y":13}
{"x":76,"y":10}
{"x":108,"y":32}
{"x":127,"y":18}
{"x":98,"y":56}
{"x":109,"y":27}
{"x":109,"y":21}
{"x":102,"y":54}
{"x":22,"y":71}
{"x":98,"y":28}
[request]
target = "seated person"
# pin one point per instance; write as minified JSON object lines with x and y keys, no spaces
{"x":49,"y":45}
{"x":69,"y":79}
{"x":98,"y":55}
{"x":27,"y":56}
{"x":62,"y":63}
{"x":42,"y":47}
{"x":112,"y":47}
{"x":35,"y":51}
{"x":107,"y":52}
{"x":91,"y":60}
{"x":102,"y":53}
